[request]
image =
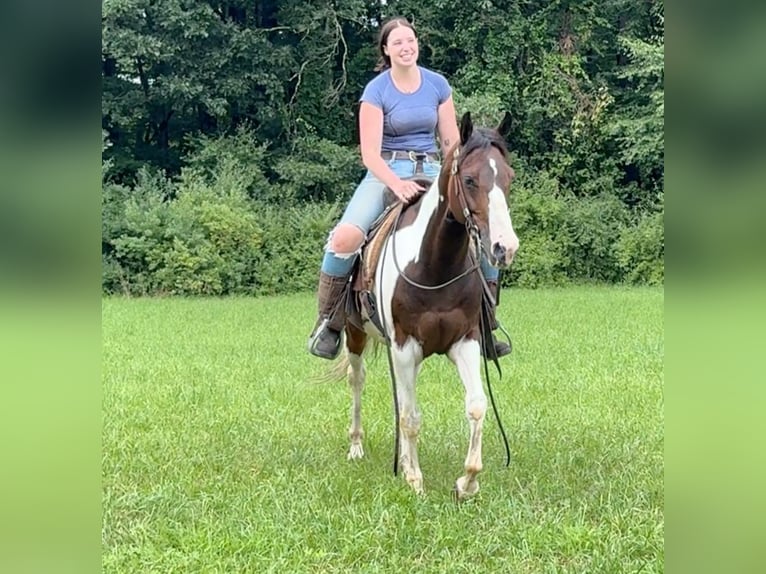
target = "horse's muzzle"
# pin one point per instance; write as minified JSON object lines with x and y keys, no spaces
{"x":502,"y":255}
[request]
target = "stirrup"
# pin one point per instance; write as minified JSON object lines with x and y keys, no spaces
{"x":501,"y":348}
{"x":315,"y":339}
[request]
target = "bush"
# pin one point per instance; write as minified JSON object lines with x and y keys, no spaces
{"x":593,"y":225}
{"x":640,"y":250}
{"x":293,"y":246}
{"x":204,"y":234}
{"x":133,"y":229}
{"x":318,"y":170}
{"x":241,"y":152}
{"x":539,"y":216}
{"x":198,"y":240}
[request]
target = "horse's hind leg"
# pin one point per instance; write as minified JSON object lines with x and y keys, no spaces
{"x":355,"y":343}
{"x":467,"y":358}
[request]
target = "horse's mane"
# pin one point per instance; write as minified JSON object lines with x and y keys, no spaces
{"x":481,"y":138}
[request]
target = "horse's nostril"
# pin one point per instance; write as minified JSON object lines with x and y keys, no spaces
{"x":498,"y":251}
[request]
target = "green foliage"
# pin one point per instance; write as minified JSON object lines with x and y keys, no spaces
{"x":539,"y":214}
{"x":200,"y":98}
{"x":486,"y":109}
{"x":191,"y":238}
{"x":318,"y":170}
{"x":640,"y":250}
{"x":565,"y":238}
{"x":175,"y":67}
{"x":294,"y":239}
{"x":593,"y":225}
{"x":241,"y":153}
{"x":640,"y":126}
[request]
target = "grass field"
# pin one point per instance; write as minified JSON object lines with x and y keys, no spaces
{"x":220,"y":455}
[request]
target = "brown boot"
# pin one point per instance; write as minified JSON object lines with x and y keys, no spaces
{"x":501,"y":347}
{"x":325,"y":338}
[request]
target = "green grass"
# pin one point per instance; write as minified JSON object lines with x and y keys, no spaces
{"x":220,"y":454}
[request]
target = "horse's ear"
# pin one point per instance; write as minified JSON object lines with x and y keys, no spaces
{"x":466,"y":127}
{"x":504,"y":129}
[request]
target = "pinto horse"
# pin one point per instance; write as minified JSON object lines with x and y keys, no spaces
{"x":428,"y":290}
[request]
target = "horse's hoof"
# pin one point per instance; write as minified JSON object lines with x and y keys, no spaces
{"x":462,"y":491}
{"x":416,"y":483}
{"x":355,"y":452}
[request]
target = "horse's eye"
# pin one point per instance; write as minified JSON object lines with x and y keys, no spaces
{"x":470,"y":182}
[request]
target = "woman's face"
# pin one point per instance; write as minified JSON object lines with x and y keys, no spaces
{"x":402,"y":47}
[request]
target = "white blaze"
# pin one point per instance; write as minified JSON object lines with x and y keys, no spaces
{"x":500,"y":224}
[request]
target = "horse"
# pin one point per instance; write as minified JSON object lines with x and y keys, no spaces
{"x":428,"y":291}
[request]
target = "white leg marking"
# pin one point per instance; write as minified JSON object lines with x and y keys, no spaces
{"x":407,"y":360}
{"x":356,"y":376}
{"x":467,"y":358}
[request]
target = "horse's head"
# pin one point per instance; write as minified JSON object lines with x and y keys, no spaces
{"x":479,"y":179}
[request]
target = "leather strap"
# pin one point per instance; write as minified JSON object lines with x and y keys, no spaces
{"x":411,"y":155}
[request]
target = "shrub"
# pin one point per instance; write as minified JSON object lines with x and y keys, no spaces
{"x":640,"y":250}
{"x":201,"y":241}
{"x":539,"y":214}
{"x":293,"y":246}
{"x":593,"y":225}
{"x":318,"y":170}
{"x":241,"y":152}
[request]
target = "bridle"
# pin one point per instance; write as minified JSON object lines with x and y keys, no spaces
{"x":470,"y":225}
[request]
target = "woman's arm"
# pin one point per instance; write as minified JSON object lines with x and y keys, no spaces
{"x":371,"y":138}
{"x":449,"y":134}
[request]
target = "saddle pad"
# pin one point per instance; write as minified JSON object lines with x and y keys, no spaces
{"x":374,"y":246}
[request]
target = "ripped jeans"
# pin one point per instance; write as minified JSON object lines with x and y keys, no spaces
{"x":366,"y":205}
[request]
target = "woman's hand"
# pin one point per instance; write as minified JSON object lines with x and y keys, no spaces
{"x":406,"y":190}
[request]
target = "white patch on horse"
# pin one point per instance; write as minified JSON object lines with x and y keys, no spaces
{"x":407,"y":243}
{"x":500,"y":225}
{"x":407,"y":361}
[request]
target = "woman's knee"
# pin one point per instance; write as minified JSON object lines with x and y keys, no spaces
{"x":346,"y":239}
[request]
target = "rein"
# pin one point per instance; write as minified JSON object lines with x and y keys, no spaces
{"x":485,"y":332}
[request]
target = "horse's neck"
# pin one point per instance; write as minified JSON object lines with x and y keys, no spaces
{"x":445,"y":242}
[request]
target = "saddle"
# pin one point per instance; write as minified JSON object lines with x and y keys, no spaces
{"x":360,"y":301}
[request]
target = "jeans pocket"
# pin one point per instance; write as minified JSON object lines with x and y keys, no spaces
{"x":403,"y":168}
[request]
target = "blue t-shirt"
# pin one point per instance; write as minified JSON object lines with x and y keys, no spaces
{"x":409,"y":120}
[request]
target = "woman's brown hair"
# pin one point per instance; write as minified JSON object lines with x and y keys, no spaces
{"x":384,"y":61}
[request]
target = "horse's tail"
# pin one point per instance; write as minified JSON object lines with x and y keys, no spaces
{"x":338,"y":370}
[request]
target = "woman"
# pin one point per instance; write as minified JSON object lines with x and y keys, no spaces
{"x":401,"y":109}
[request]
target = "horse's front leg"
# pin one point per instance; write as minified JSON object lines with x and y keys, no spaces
{"x":355,"y":342}
{"x":407,"y":360}
{"x":467,"y":358}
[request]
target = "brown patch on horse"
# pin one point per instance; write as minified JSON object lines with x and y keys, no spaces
{"x":356,"y":339}
{"x":437,"y":321}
